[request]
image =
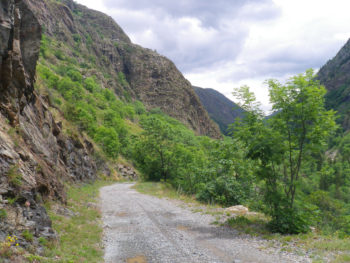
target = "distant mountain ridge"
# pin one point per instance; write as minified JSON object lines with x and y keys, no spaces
{"x":221,"y":109}
{"x":335,"y":76}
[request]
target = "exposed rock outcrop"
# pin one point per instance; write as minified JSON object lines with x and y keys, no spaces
{"x":35,"y":156}
{"x":127,"y":172}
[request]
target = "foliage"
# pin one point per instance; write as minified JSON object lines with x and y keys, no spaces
{"x":108,"y":139}
{"x":27,"y":235}
{"x":14,"y":176}
{"x":93,"y":109}
{"x":83,"y":245}
{"x":122,"y":80}
{"x":154,"y":148}
{"x":8,"y":246}
{"x":281,"y":145}
{"x":229,"y":175}
{"x":3,"y":214}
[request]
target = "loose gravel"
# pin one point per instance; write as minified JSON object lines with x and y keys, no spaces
{"x":140,"y":228}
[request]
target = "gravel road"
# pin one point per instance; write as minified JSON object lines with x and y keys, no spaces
{"x":140,"y":228}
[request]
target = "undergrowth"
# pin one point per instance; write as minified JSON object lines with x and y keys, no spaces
{"x":80,"y":235}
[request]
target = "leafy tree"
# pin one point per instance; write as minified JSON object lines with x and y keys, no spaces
{"x":298,"y":128}
{"x":108,"y":140}
{"x":90,"y":84}
{"x":228,"y":175}
{"x":154,"y":149}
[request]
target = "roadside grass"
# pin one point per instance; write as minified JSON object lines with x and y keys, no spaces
{"x":254,"y":225}
{"x":321,"y":248}
{"x":162,"y":190}
{"x":80,"y":235}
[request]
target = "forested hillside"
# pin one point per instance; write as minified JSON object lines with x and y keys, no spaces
{"x":222,"y":110}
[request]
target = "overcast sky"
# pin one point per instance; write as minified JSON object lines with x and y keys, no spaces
{"x":224,"y":44}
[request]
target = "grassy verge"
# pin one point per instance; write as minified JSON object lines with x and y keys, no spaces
{"x":321,"y":248}
{"x":79,"y":235}
{"x":161,"y":190}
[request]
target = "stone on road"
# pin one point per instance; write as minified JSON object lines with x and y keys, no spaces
{"x":140,"y":228}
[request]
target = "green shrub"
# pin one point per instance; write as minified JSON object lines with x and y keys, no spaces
{"x":14,"y":176}
{"x":108,"y":139}
{"x":139,"y":107}
{"x":59,"y":54}
{"x":77,"y":38}
{"x":122,"y":80}
{"x":43,"y":241}
{"x":223,"y":190}
{"x":44,"y":46}
{"x":75,"y":75}
{"x":289,"y":221}
{"x":27,"y":235}
{"x":90,"y":84}
{"x":3,"y":214}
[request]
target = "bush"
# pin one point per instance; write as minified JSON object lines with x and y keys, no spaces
{"x":108,"y":140}
{"x":75,"y":75}
{"x":3,"y":214}
{"x":122,"y":80}
{"x":14,"y":176}
{"x":59,"y":54}
{"x":90,"y":84}
{"x":27,"y":235}
{"x":139,"y":108}
{"x":289,"y":221}
{"x":330,"y":213}
{"x":223,"y":190}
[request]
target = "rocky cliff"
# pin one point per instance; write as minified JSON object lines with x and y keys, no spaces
{"x":35,"y":156}
{"x":222,"y":110}
{"x":128,"y":69}
{"x":335,"y":75}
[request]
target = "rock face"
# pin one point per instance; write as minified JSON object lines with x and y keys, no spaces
{"x":335,"y":75}
{"x":127,"y":172}
{"x":35,"y":156}
{"x":149,"y":77}
{"x":222,"y":110}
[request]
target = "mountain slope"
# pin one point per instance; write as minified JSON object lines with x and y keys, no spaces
{"x":335,"y":75}
{"x":129,"y":70}
{"x":222,"y":110}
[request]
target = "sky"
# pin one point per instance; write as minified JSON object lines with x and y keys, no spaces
{"x":224,"y":44}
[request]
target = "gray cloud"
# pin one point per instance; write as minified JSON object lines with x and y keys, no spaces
{"x":194,"y":34}
{"x":207,"y":11}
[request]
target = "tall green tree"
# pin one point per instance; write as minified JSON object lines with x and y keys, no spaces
{"x":154,"y":150}
{"x":298,"y":128}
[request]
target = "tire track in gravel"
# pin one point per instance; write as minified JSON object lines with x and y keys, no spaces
{"x":140,"y":228}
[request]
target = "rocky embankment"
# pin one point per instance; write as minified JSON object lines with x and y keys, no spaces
{"x":35,"y":156}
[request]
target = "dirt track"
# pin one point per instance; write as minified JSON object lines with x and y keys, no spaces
{"x":140,"y":228}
